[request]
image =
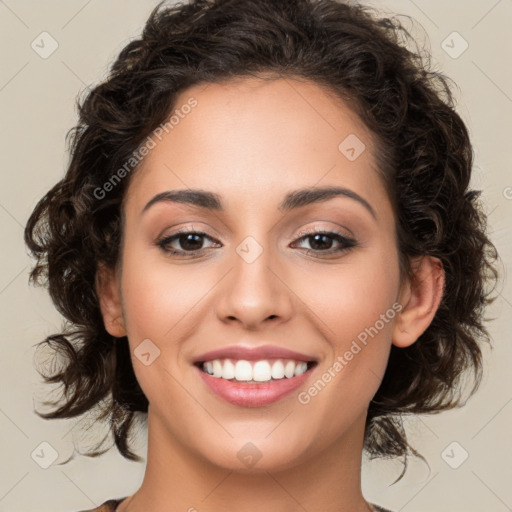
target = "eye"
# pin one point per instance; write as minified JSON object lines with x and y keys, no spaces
{"x":189,"y":240}
{"x":321,"y":241}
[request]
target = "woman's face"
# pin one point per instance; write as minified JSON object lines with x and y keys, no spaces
{"x":259,"y":276}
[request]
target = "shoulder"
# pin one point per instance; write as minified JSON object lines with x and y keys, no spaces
{"x":108,"y":506}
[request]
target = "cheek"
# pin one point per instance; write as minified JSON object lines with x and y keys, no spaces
{"x":156,"y":300}
{"x":357,"y":306}
{"x":348,"y":297}
{"x":156,"y":293}
{"x":352,"y":296}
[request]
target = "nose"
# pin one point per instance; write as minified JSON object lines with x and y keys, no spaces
{"x":255,"y":293}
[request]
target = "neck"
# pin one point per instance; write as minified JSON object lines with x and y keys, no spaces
{"x":175,"y":475}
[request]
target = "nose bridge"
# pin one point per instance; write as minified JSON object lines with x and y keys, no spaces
{"x":253,"y":291}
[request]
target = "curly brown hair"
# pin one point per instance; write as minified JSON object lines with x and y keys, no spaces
{"x":423,"y":151}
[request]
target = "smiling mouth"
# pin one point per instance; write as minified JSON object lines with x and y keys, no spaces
{"x":255,"y":372}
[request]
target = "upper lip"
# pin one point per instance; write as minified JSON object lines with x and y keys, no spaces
{"x":253,"y":354}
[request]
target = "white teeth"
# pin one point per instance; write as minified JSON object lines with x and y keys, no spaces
{"x":261,"y":371}
{"x":255,"y":371}
{"x":208,"y":367}
{"x":217,"y":368}
{"x":278,"y":370}
{"x":243,"y":370}
{"x":301,"y":368}
{"x":228,"y":370}
{"x":289,"y":369}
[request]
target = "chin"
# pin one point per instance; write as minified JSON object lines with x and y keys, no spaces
{"x":256,"y":456}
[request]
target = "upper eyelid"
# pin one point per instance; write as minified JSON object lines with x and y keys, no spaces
{"x":301,"y":233}
{"x":316,"y":230}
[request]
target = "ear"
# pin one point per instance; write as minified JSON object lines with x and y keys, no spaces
{"x":420,"y":297}
{"x":110,"y":301}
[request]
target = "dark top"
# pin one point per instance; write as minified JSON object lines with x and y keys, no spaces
{"x":111,"y":506}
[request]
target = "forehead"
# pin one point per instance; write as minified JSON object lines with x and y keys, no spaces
{"x":253,"y":140}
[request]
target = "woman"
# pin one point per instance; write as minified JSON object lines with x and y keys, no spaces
{"x":265,"y":241}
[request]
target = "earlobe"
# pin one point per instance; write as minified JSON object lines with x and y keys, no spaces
{"x":420,"y":298}
{"x":110,"y":301}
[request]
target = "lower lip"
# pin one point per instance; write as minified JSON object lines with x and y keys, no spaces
{"x":253,"y":395}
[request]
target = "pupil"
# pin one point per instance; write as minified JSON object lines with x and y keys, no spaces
{"x":321,"y":237}
{"x":193,"y":241}
{"x":189,"y":244}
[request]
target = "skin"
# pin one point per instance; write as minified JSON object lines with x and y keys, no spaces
{"x":252,"y":141}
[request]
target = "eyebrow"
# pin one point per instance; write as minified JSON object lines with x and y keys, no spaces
{"x":294,"y":199}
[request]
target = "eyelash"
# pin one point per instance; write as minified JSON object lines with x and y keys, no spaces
{"x":347,"y":243}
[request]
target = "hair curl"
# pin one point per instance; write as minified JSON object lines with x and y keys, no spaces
{"x":423,"y":150}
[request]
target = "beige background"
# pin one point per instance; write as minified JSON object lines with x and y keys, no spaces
{"x":37,"y":99}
